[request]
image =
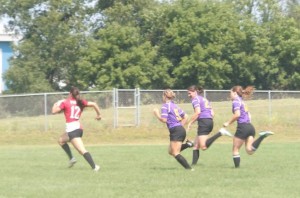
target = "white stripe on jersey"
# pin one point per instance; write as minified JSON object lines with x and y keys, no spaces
{"x":169,"y":107}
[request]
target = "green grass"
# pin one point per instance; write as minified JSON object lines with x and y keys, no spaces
{"x":283,"y":120}
{"x":135,"y":162}
{"x":148,"y":171}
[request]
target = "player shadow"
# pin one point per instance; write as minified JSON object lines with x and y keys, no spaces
{"x":163,"y":168}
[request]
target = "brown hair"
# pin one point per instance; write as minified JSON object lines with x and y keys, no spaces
{"x":245,"y":93}
{"x":76,"y":95}
{"x":169,"y":94}
{"x":195,"y":88}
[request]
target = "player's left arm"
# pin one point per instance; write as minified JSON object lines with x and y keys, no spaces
{"x":96,"y":108}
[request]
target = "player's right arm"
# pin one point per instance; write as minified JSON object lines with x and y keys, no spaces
{"x":158,"y":116}
{"x":194,"y":117}
{"x":56,"y":108}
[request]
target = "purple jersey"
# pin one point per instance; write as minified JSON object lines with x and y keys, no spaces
{"x":238,"y":104}
{"x":205,"y":107}
{"x":173,"y":114}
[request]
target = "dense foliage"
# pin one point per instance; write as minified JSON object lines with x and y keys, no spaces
{"x":153,"y":44}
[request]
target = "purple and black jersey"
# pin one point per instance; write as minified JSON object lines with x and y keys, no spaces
{"x":173,"y":114}
{"x":205,"y":107}
{"x":238,"y":104}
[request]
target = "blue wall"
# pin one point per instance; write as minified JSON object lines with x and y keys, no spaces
{"x":7,"y":52}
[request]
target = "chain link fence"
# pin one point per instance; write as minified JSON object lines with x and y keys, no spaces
{"x":133,"y":107}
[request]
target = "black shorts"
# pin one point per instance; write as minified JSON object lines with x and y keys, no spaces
{"x":74,"y":134}
{"x":244,"y":130}
{"x":177,"y":133}
{"x":205,"y":126}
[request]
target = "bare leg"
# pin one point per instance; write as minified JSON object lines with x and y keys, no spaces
{"x":202,"y":141}
{"x":62,"y":141}
{"x":78,"y":144}
{"x":248,"y":146}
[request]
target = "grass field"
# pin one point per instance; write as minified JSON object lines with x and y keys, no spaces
{"x":134,"y":160}
{"x":148,"y":171}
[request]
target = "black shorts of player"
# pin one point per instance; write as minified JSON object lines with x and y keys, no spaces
{"x":74,"y":134}
{"x":205,"y":126}
{"x":244,"y":130}
{"x":177,"y":133}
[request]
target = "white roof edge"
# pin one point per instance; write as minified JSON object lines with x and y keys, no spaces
{"x":9,"y":37}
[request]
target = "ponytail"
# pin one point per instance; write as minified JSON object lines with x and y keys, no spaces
{"x":245,"y":93}
{"x":195,"y":88}
{"x":76,"y":95}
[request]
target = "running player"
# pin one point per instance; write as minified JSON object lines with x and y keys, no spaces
{"x":175,"y":118}
{"x":204,"y":114}
{"x":73,"y":107}
{"x":245,"y":131}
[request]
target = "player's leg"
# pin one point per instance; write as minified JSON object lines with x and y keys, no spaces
{"x":78,"y":144}
{"x":63,"y":142}
{"x":177,"y":136}
{"x":262,"y":136}
{"x":237,"y":143}
{"x":187,"y":144}
{"x":196,"y":153}
{"x":203,"y":130}
{"x":202,"y":141}
{"x":248,"y":145}
{"x":175,"y":147}
{"x":221,"y":132}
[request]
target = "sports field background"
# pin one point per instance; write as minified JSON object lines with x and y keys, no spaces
{"x":135,"y":163}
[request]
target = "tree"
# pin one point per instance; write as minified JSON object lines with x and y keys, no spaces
{"x":153,"y":44}
{"x":119,"y":55}
{"x":53,"y":33}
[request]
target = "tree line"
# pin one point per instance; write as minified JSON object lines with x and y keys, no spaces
{"x":152,"y":44}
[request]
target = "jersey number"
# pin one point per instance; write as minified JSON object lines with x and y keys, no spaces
{"x":246,"y":107}
{"x":207,"y":104}
{"x":75,"y":110}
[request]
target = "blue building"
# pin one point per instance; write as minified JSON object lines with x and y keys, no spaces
{"x":5,"y":53}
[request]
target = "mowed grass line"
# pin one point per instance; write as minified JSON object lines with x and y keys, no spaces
{"x":148,"y":171}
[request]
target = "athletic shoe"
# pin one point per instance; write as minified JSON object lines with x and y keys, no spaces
{"x":266,"y":133}
{"x":72,"y":162}
{"x":189,"y":143}
{"x":223,"y":131}
{"x":97,"y":168}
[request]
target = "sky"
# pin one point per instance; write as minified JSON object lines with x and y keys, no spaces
{"x":2,"y":22}
{"x":1,"y":27}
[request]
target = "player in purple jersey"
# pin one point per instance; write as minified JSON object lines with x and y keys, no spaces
{"x":175,"y":118}
{"x":204,"y":114}
{"x":245,"y":131}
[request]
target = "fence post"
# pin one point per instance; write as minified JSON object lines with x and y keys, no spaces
{"x":115,"y":107}
{"x":46,"y":113}
{"x":270,"y":103}
{"x":137,"y":106}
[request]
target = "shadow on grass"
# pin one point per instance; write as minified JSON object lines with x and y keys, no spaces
{"x":163,"y":168}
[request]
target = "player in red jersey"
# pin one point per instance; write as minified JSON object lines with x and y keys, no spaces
{"x":72,"y":108}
